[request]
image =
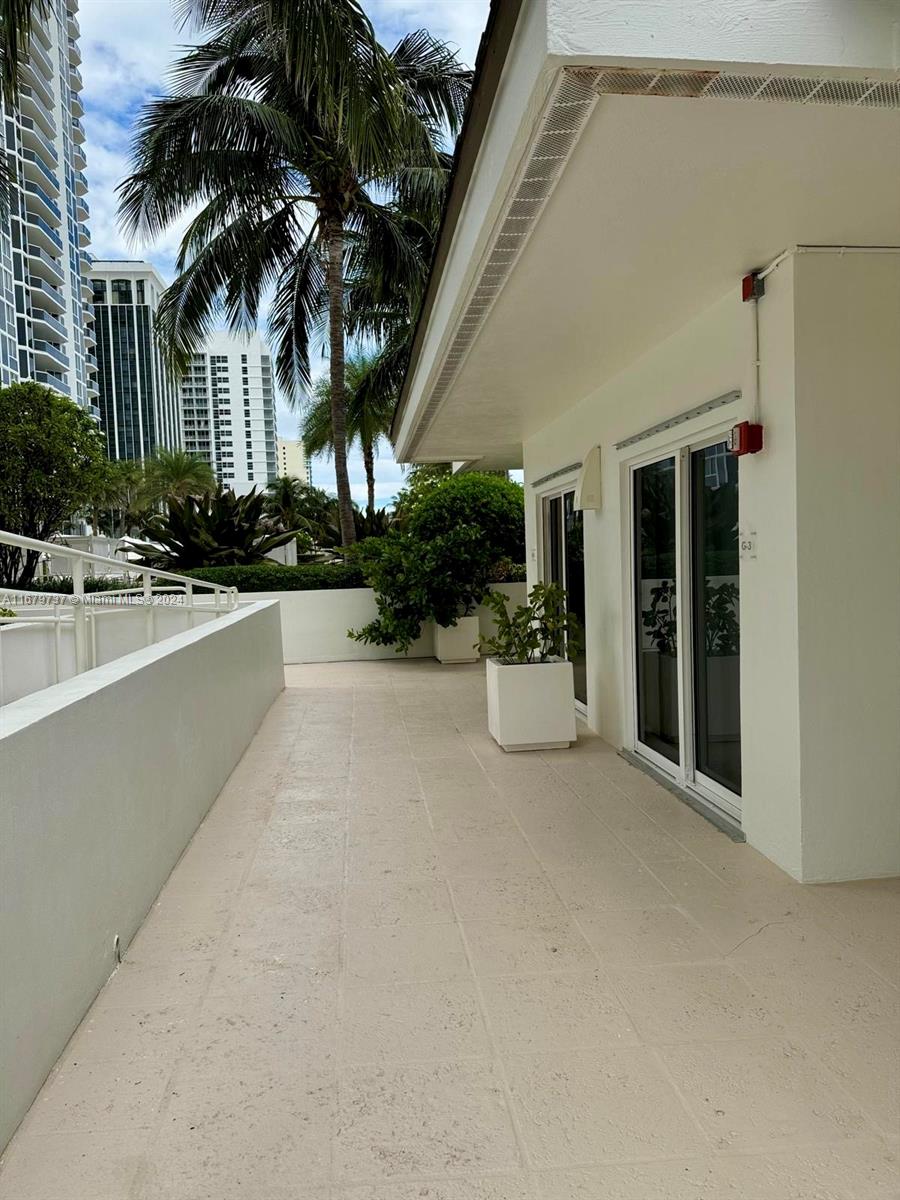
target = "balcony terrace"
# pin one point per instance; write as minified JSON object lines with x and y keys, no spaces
{"x":395,"y":962}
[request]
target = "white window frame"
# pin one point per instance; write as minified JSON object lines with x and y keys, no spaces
{"x":694,"y":436}
{"x":554,"y":488}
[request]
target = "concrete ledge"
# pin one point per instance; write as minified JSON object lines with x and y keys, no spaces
{"x":105,"y":778}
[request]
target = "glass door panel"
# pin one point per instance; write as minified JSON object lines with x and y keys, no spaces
{"x":656,"y":580}
{"x":554,"y":567}
{"x":574,"y":563}
{"x":715,"y":588}
{"x":564,"y":564}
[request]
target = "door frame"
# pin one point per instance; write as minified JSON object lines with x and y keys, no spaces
{"x":684,"y":773}
{"x":557,"y":488}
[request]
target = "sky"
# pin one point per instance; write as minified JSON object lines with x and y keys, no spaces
{"x":127,"y":47}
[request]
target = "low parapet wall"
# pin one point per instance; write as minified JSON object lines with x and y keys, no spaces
{"x":314,"y":624}
{"x":103,"y":780}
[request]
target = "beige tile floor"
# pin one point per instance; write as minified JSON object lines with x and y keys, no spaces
{"x":397,"y":964}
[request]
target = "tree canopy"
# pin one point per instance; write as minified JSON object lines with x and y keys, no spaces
{"x":53,"y":460}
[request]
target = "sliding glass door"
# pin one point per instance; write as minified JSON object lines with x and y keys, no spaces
{"x":656,"y":607}
{"x":564,"y":564}
{"x":686,"y":597}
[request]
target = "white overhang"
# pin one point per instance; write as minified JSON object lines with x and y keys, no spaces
{"x":614,"y":198}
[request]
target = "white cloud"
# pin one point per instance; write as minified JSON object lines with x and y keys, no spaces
{"x":127,"y":48}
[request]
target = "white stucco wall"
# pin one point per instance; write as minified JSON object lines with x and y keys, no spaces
{"x":314,"y":624}
{"x":848,"y":500}
{"x":819,"y":603}
{"x":103,"y":780}
{"x":707,"y":358}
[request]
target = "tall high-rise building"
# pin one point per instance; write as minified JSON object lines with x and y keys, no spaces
{"x":292,"y":459}
{"x":228,"y":410}
{"x":140,"y":410}
{"x":45,"y":312}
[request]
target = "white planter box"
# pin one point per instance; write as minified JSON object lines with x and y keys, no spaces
{"x":457,"y":643}
{"x":531,"y":707}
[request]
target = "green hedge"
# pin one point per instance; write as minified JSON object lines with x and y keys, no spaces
{"x":262,"y":577}
{"x":273,"y":577}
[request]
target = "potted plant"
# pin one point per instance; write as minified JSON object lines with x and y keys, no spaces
{"x":530,"y":683}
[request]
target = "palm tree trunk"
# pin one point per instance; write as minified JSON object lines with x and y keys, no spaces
{"x":334,"y":280}
{"x":369,"y":464}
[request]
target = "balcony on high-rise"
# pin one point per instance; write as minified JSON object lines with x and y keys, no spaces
{"x":46,"y":294}
{"x":34,"y":105}
{"x":45,"y":265}
{"x":34,"y":138}
{"x":48,"y":355}
{"x":35,"y":167}
{"x":42,"y":233}
{"x":37,"y":199}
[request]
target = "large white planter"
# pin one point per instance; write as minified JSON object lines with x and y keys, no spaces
{"x":457,"y":643}
{"x":531,"y":706}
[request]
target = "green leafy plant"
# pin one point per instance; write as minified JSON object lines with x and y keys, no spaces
{"x":660,"y":619}
{"x":722,"y":627}
{"x":217,"y":529}
{"x":539,"y":631}
{"x":417,"y":581}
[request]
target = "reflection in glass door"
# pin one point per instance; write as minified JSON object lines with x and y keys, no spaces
{"x":716,"y":629}
{"x":564,"y":564}
{"x":656,"y":617}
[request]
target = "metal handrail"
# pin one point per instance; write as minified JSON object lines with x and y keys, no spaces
{"x":83,"y":607}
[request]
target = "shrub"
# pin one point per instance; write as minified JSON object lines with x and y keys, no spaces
{"x":461,"y":535}
{"x":492,"y":504}
{"x":273,"y":577}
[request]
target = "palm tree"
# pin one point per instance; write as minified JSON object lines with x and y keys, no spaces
{"x":120,"y":501}
{"x":176,"y":474}
{"x":369,"y":414}
{"x":299,"y":505}
{"x":16,"y":20}
{"x":308,"y":163}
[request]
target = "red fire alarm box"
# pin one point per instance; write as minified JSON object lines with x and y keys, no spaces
{"x":746,"y":438}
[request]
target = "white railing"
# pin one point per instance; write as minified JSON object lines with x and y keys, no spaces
{"x":81,"y":611}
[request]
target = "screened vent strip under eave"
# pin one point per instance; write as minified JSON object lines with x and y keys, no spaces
{"x":565,"y":115}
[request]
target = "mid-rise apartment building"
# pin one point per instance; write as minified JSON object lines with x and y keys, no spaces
{"x":228,"y":410}
{"x":46,"y":317}
{"x":140,"y":410}
{"x":292,"y":459}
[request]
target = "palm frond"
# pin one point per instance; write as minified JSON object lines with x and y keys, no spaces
{"x":297,"y":311}
{"x":437,"y":84}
